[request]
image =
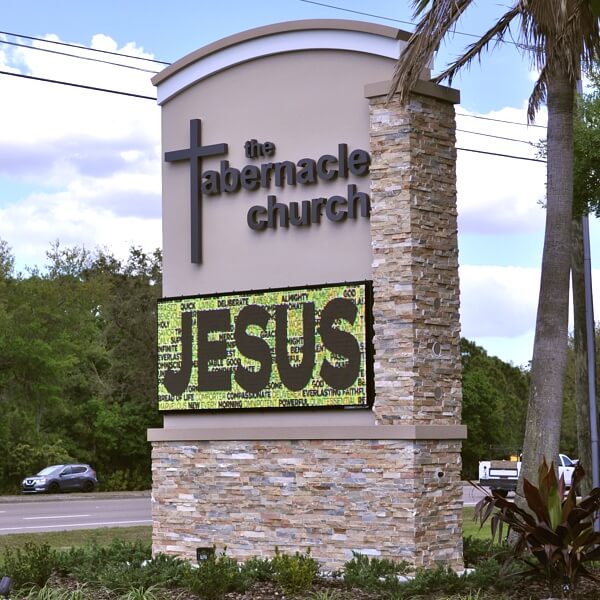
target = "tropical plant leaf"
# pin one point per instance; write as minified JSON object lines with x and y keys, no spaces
{"x":535,"y":501}
{"x":556,"y":538}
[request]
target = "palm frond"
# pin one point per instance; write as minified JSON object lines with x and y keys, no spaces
{"x":560,"y":36}
{"x":425,"y":40}
{"x":496,"y":33}
{"x":538,"y":95}
{"x":563,"y":35}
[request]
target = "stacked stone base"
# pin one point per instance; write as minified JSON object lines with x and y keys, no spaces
{"x":393,"y":499}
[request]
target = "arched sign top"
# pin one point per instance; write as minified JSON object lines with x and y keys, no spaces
{"x":321,"y":34}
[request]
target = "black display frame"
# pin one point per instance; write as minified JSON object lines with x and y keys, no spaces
{"x":368,"y":352}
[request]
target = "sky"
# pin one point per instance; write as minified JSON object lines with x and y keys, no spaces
{"x":82,"y":167}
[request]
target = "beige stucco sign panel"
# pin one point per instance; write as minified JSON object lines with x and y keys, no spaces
{"x":268,"y":87}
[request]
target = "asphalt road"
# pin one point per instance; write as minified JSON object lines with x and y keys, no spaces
{"x":471,"y":495}
{"x":62,"y":512}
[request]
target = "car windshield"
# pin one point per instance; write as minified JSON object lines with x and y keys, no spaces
{"x":567,"y":461}
{"x":49,"y":470}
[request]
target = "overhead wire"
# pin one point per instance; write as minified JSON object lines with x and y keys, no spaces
{"x":132,"y":95}
{"x":366,"y":14}
{"x":500,"y":120}
{"x":538,"y":160}
{"x":498,"y":137}
{"x":122,"y":54}
{"x":98,"y":60}
{"x":145,"y":97}
{"x":165,"y":63}
{"x":78,"y":85}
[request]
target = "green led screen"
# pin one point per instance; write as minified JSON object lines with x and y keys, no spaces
{"x":288,"y":348}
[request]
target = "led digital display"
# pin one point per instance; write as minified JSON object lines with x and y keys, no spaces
{"x":288,"y":348}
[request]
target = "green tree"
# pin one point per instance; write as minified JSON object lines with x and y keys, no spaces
{"x":494,"y":407}
{"x":77,"y":364}
{"x":7,"y":260}
{"x":586,"y":174}
{"x":129,"y":334}
{"x":559,"y":36}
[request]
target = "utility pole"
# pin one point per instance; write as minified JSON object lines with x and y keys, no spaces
{"x":591,"y":348}
{"x":590,"y":329}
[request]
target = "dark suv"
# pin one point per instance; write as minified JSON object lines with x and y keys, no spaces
{"x":61,"y":478}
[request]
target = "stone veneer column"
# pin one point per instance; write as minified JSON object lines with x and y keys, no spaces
{"x":416,"y":297}
{"x":415,"y":257}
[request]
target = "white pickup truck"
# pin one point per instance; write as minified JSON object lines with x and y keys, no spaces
{"x":502,"y":475}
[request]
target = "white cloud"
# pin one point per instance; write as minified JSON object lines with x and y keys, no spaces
{"x":498,"y":300}
{"x":499,"y":305}
{"x":499,"y":195}
{"x":91,"y":160}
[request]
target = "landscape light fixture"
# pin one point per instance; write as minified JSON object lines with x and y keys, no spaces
{"x":204,"y":554}
{"x":5,"y":585}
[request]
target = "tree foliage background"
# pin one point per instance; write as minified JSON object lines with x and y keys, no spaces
{"x":78,"y":364}
{"x":78,"y":372}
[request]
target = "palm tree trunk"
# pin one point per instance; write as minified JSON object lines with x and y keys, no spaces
{"x":544,"y":411}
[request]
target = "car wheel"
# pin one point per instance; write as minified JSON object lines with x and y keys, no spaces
{"x":54,"y":488}
{"x":88,"y":486}
{"x":501,"y":493}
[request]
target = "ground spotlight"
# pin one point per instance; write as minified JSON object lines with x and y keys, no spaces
{"x":5,"y":585}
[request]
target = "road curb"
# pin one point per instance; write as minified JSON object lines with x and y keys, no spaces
{"x":72,"y":496}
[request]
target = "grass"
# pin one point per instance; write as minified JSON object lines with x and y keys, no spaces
{"x":80,"y":537}
{"x":471,"y":527}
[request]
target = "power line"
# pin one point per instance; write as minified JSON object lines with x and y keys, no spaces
{"x":28,"y":37}
{"x":132,"y":95}
{"x":154,"y":72}
{"x":502,"y":155}
{"x":167,"y":63}
{"x":500,"y":120}
{"x":99,"y":60}
{"x":78,"y":85}
{"x":99,"y":89}
{"x":366,"y":14}
{"x":358,"y":12}
{"x":498,"y":137}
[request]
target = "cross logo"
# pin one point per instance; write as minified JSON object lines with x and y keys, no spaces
{"x":194,"y":154}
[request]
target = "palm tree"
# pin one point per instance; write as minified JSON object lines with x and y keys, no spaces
{"x":560,"y":37}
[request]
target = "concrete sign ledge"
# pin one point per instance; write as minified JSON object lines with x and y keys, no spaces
{"x":362,"y":432}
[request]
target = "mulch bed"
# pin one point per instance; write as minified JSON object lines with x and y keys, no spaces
{"x":587,"y":590}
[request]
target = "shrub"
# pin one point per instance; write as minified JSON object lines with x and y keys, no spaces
{"x":216,"y":577}
{"x":369,"y":573}
{"x":489,"y":573}
{"x":49,"y":593}
{"x":94,"y":556}
{"x":69,"y":560}
{"x":33,"y":564}
{"x":165,"y":571}
{"x":141,"y":593}
{"x":259,"y":569}
{"x":477,"y":551}
{"x":294,"y":573}
{"x":117,"y":566}
{"x":120,"y":481}
{"x":555,"y":538}
{"x":431,"y":581}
